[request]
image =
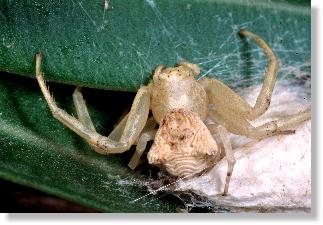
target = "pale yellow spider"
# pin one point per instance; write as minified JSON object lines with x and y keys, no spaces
{"x":183,"y":143}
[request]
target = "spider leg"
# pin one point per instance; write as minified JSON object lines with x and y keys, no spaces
{"x":147,"y":134}
{"x":84,"y":117}
{"x":141,"y":146}
{"x":82,"y":113}
{"x":286,"y":125}
{"x":233,"y":112}
{"x":239,"y":125}
{"x":222,"y":96}
{"x":133,"y":126}
{"x":222,"y":138}
{"x":264,"y":97}
{"x":81,"y":109}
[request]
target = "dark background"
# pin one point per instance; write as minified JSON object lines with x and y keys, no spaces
{"x":16,"y":198}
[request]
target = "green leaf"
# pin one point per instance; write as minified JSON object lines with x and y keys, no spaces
{"x":117,"y":49}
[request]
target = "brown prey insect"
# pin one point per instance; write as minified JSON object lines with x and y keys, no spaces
{"x":183,"y":143}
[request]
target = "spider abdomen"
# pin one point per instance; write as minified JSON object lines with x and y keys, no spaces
{"x":183,"y":144}
{"x":181,"y":165}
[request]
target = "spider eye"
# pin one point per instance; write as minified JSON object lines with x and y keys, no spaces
{"x":194,"y":69}
{"x":158,"y":72}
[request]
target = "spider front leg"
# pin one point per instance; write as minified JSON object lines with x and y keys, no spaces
{"x":233,"y":112}
{"x":131,"y":127}
{"x":264,"y":97}
{"x":147,"y":134}
{"x":221,"y":96}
